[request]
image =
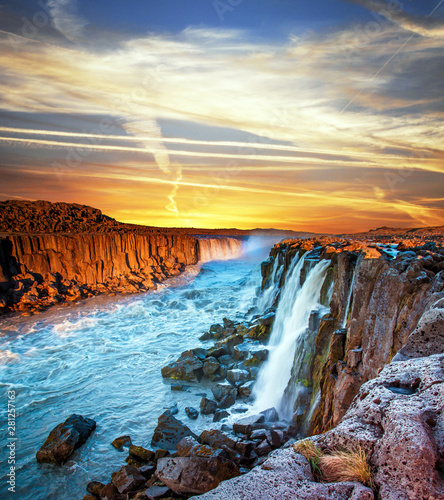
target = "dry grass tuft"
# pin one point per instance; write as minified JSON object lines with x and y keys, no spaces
{"x":350,"y":465}
{"x":313,"y":454}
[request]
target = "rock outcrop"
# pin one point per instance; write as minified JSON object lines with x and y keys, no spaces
{"x":285,"y":475}
{"x":64,"y":439}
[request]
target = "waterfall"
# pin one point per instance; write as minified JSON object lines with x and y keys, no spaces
{"x":292,"y":317}
{"x":349,"y":299}
{"x":268,"y":296}
{"x":222,"y":248}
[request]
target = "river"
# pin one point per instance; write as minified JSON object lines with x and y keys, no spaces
{"x":101,"y":358}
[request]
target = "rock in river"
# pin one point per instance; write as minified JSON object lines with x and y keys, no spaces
{"x":169,"y":431}
{"x":64,"y":439}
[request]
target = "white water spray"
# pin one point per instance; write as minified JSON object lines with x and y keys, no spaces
{"x":268,"y":296}
{"x":347,"y":309}
{"x":291,"y":321}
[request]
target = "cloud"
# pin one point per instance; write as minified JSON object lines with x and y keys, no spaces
{"x":427,"y":26}
{"x":290,"y":94}
{"x":65,"y":19}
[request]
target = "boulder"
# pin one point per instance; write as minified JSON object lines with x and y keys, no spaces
{"x":122,"y":441}
{"x":127,"y":479}
{"x":220,"y":415}
{"x":154,"y":492}
{"x":188,"y":367}
{"x":94,"y":487}
{"x":223,"y":389}
{"x":64,"y":439}
{"x":207,"y":406}
{"x":237,"y":377}
{"x":192,"y":413}
{"x":226,"y":402}
{"x":141,"y":453}
{"x":270,"y":415}
{"x":185,"y":475}
{"x":246,"y":425}
{"x":217,"y":439}
{"x":211,"y":366}
{"x":169,"y":431}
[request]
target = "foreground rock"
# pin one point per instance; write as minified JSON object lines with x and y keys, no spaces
{"x":285,"y":475}
{"x":397,"y":418}
{"x":170,"y":431}
{"x":64,"y":439}
{"x":195,"y":474}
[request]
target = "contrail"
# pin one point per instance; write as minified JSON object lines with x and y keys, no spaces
{"x":196,"y":142}
{"x":172,"y":152}
{"x":199,"y":154}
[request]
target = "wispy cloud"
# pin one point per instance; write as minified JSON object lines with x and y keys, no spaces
{"x":422,"y":25}
{"x":65,"y":18}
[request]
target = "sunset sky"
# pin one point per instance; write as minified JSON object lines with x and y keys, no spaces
{"x":324,"y":115}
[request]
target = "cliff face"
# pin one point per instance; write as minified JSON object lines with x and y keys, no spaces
{"x":39,"y":270}
{"x":376,"y":303}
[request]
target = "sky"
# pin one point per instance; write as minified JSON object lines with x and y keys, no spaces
{"x":319,"y":116}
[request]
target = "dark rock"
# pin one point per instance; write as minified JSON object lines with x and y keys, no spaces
{"x":237,"y":377}
{"x":192,"y":413}
{"x":245,"y":425}
{"x":161,"y":454}
{"x":109,"y":492}
{"x":135,"y":462}
{"x":154,"y":492}
{"x":217,"y":439}
{"x":241,"y":351}
{"x":94,"y":487}
{"x":211,"y":366}
{"x":271,"y":415}
{"x":259,"y":434}
{"x":268,"y":319}
{"x":245,"y":447}
{"x":141,"y":453}
{"x":263,"y":448}
{"x":127,"y":479}
{"x":223,"y":389}
{"x":226,"y":402}
{"x":245,"y":390}
{"x":121,"y":441}
{"x":169,"y":431}
{"x":147,"y":470}
{"x":199,"y":352}
{"x":220,"y":415}
{"x":90,"y":497}
{"x":188,"y":367}
{"x":217,"y":351}
{"x":172,"y":410}
{"x":64,"y":439}
{"x":207,"y":406}
{"x":195,"y":475}
{"x":185,"y":445}
{"x":227,"y":361}
{"x":275,"y":438}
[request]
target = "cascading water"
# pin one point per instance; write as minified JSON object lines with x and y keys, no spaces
{"x":349,"y":300}
{"x":219,"y":249}
{"x":268,"y":296}
{"x":292,"y":316}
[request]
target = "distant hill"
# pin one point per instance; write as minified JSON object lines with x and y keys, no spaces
{"x":22,"y":216}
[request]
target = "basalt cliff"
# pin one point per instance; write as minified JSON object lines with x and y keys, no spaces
{"x":56,"y":252}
